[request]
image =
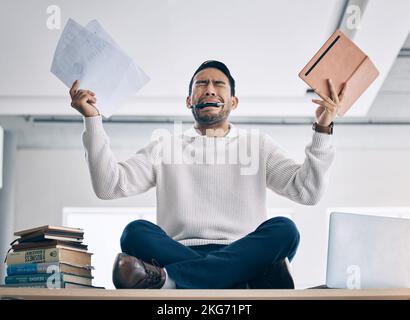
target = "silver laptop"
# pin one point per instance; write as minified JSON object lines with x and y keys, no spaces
{"x":368,"y":252}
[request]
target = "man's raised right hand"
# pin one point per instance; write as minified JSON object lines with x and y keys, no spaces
{"x":83,"y":101}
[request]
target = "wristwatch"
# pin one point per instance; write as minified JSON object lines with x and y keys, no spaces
{"x":323,"y":129}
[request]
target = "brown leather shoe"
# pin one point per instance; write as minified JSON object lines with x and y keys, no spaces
{"x":132,"y":273}
{"x":276,"y":276}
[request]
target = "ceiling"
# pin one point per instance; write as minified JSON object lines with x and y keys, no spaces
{"x":264,"y":43}
{"x":392,"y":102}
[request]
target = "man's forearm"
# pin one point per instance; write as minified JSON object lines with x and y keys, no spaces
{"x":303,"y":183}
{"x":101,"y":161}
{"x":112,"y":179}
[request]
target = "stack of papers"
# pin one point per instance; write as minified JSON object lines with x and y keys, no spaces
{"x":90,"y":55}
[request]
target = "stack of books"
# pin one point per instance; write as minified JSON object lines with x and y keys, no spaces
{"x":49,"y":257}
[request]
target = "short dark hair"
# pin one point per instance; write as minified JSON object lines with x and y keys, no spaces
{"x":217,"y":65}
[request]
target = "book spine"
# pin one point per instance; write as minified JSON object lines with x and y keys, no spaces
{"x":41,"y":277}
{"x":57,"y":285}
{"x":31,"y":268}
{"x":33,"y":256}
{"x":28,"y":285}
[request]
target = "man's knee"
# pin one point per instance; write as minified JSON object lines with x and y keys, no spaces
{"x":287,"y":228}
{"x":134,"y":232}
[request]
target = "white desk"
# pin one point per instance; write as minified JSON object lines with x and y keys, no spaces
{"x":254,"y":294}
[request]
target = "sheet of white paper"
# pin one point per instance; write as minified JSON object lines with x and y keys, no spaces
{"x":101,"y":66}
{"x":134,"y":79}
{"x":135,"y":72}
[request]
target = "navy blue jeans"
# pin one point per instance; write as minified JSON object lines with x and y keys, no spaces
{"x":213,"y":266}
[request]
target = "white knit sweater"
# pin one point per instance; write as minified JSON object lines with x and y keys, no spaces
{"x":208,"y":200}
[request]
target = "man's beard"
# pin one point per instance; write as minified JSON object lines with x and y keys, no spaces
{"x":209,"y":118}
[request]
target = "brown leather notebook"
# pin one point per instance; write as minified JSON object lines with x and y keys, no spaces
{"x":342,"y":61}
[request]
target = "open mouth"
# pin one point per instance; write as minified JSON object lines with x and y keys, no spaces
{"x":209,"y":105}
{"x":209,"y":108}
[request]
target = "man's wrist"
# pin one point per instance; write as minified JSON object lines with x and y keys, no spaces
{"x":323,"y":129}
{"x":92,"y":114}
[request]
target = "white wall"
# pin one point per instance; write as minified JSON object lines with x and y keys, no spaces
{"x":1,"y":156}
{"x":370,"y":169}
